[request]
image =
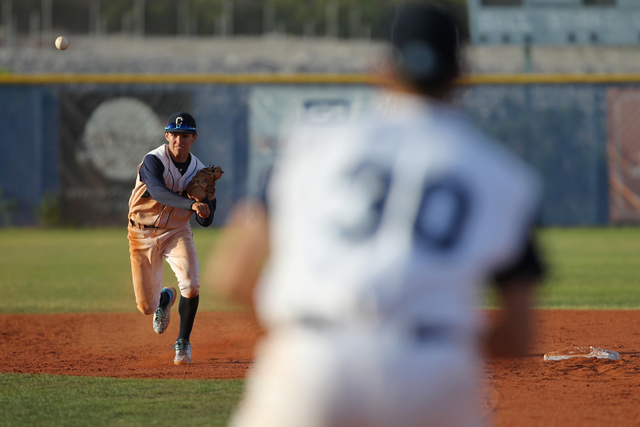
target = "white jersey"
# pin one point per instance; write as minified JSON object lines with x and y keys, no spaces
{"x":145,"y":210}
{"x":393,"y":220}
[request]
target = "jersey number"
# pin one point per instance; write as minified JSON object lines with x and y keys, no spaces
{"x":369,"y":187}
{"x":441,"y":218}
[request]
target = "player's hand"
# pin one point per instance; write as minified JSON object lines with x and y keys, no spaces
{"x":202,"y":209}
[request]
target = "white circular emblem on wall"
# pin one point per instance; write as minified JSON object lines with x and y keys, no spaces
{"x":118,"y":135}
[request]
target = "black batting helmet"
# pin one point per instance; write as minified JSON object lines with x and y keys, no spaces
{"x":425,"y":45}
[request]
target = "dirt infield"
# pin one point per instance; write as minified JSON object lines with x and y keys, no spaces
{"x":525,"y":392}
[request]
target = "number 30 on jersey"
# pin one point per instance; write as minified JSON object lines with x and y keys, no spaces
{"x":440,"y":219}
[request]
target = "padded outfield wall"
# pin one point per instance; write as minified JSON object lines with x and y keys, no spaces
{"x":72,"y":142}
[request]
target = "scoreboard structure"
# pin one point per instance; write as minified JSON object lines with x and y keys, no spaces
{"x":555,"y":22}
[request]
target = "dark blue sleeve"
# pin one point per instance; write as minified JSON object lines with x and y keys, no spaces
{"x":151,"y":174}
{"x":205,"y":222}
{"x":529,"y":265}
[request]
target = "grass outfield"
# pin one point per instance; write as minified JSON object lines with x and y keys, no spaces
{"x":79,"y":271}
{"x":37,"y":400}
{"x":87,"y":270}
{"x":591,"y":268}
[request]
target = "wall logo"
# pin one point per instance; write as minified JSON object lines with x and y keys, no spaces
{"x":117,"y":136}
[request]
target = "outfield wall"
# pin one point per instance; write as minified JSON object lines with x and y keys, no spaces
{"x":76,"y":139}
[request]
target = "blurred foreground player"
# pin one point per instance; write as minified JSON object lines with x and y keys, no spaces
{"x":380,"y":236}
{"x":159,"y":229}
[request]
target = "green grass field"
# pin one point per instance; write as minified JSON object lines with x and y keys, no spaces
{"x":78,"y":270}
{"x":87,"y":270}
{"x":592,"y":268}
{"x":37,"y":400}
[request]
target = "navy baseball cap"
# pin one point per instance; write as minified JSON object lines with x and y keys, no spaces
{"x":181,"y":122}
{"x":425,"y":43}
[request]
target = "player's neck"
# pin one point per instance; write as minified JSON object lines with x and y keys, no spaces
{"x":181,"y":158}
{"x":438,"y":95}
{"x":392,"y":81}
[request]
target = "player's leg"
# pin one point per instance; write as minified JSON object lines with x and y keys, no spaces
{"x":146,"y":269}
{"x":187,"y":308}
{"x":291,"y":383}
{"x":181,"y":255}
{"x":431,"y":381}
{"x":326,"y":378}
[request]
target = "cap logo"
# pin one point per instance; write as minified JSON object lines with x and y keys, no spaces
{"x":179,"y":121}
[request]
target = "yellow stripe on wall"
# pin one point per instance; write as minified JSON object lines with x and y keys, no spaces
{"x":484,"y":79}
{"x":487,"y":79}
{"x":185,"y":78}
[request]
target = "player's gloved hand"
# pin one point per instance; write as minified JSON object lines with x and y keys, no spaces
{"x":203,"y":184}
{"x":202,"y":209}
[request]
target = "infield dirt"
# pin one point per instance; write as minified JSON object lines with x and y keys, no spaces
{"x":523,"y":392}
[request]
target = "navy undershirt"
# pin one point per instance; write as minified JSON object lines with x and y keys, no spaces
{"x":528,"y":266}
{"x":151,"y":173}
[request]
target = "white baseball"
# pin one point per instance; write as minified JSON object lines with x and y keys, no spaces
{"x":62,"y":43}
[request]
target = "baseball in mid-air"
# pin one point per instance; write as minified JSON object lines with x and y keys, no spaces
{"x":62,"y":43}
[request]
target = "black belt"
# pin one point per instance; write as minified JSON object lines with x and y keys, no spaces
{"x":141,"y":225}
{"x":430,"y":333}
{"x":419,"y":332}
{"x":317,"y":323}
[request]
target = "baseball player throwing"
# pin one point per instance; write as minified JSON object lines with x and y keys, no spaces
{"x":159,"y":229}
{"x":382,"y":234}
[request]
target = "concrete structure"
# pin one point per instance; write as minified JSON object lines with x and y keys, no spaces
{"x":291,"y":55}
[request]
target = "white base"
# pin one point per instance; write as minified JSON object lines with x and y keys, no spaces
{"x":598,"y":353}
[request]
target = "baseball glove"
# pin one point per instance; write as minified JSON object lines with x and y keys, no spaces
{"x":203,"y":183}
